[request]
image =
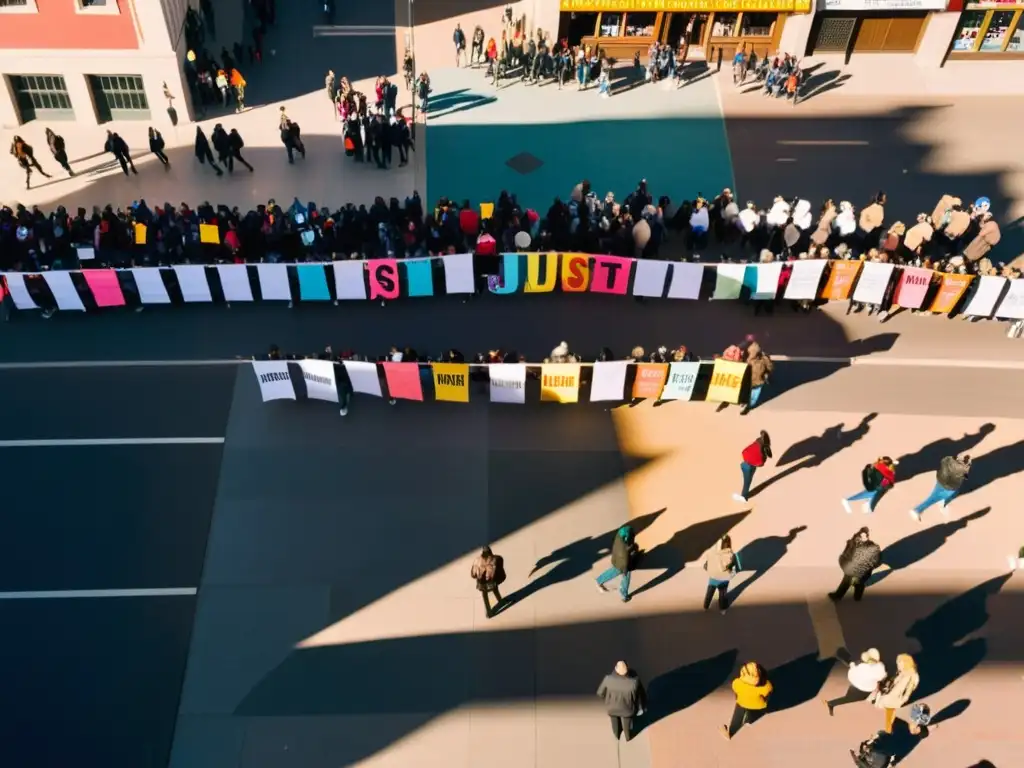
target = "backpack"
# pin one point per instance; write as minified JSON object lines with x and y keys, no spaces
{"x":871,"y":477}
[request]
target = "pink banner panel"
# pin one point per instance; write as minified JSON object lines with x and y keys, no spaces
{"x":104,"y":286}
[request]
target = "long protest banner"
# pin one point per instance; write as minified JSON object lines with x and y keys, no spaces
{"x":463,"y":273}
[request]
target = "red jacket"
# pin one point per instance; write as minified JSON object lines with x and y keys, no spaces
{"x":887,"y":473}
{"x":469,"y":221}
{"x":754,"y":455}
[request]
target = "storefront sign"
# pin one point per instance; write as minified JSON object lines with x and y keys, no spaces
{"x":620,"y":6}
{"x":882,"y":5}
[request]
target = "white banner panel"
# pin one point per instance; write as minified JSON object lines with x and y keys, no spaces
{"x":274,"y":282}
{"x":729,"y":280}
{"x":458,"y":273}
{"x":681,"y":379}
{"x":1012,"y":305}
{"x":805,"y":279}
{"x":64,"y":291}
{"x":234,"y":279}
{"x":650,"y":278}
{"x":151,"y":286}
{"x":19,"y":293}
{"x":609,"y":382}
{"x":768,"y":280}
{"x":319,"y":378}
{"x":274,"y":380}
{"x":85,"y":252}
{"x":363,"y":377}
{"x":686,"y":280}
{"x":348,"y":279}
{"x":874,"y":279}
{"x":508,"y":383}
{"x":983,"y":303}
{"x":193,"y":282}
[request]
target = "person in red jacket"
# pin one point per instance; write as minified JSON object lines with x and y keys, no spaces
{"x":754,"y":455}
{"x":877,"y":478}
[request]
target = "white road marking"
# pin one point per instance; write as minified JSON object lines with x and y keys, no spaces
{"x":825,"y":143}
{"x":785,"y":159}
{"x":100,"y":442}
{"x":827,"y":629}
{"x":353,"y":31}
{"x":77,"y":594}
{"x":43,"y":365}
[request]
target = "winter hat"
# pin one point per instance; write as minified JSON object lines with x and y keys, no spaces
{"x":625,"y":532}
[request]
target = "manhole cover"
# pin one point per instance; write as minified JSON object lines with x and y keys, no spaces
{"x":524,"y":163}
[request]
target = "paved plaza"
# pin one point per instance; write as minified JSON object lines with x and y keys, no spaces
{"x":196,"y":579}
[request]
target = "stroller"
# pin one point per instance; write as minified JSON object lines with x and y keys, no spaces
{"x":874,"y":752}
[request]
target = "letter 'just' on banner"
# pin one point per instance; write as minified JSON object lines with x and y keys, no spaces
{"x":560,"y":383}
{"x":726,"y":382}
{"x":451,"y":382}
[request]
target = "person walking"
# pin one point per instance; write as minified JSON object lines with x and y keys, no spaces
{"x":761,"y":368}
{"x":489,"y":572}
{"x":754,"y":455}
{"x":219,"y":139}
{"x":117,"y":146}
{"x":459,"y":38}
{"x":423,"y":91}
{"x":953,"y":470}
{"x":863,"y":678}
{"x":235,"y":145}
{"x":624,"y":699}
{"x":56,"y":144}
{"x":290,"y":137}
{"x":722,"y":564}
{"x":23,"y":153}
{"x":237,"y":83}
{"x":330,"y":90}
{"x":624,"y":551}
{"x":878,"y":478}
{"x":859,"y":558}
{"x":156,"y":146}
{"x":752,"y":689}
{"x":203,"y":152}
{"x":896,"y":691}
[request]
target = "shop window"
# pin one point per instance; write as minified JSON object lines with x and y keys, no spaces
{"x":998,"y":28}
{"x":611,"y":24}
{"x":1016,"y":44}
{"x":13,"y":3}
{"x":640,"y":24}
{"x":724,"y":25}
{"x":119,"y":97}
{"x":41,"y":96}
{"x":970,"y":28}
{"x":109,"y":7}
{"x":757,"y":24}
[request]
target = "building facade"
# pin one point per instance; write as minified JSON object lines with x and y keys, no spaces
{"x":91,"y":61}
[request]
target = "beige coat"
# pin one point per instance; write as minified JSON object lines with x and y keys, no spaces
{"x":918,"y":235}
{"x":959,"y":221}
{"x":871,"y":218}
{"x":985,"y":241}
{"x":945,"y":203}
{"x":821,"y":234}
{"x":903,"y":688}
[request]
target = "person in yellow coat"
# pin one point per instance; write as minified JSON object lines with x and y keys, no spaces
{"x":752,"y":689}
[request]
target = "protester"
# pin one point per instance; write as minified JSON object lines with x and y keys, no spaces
{"x":489,"y":572}
{"x":156,"y":146}
{"x":752,"y":689}
{"x":721,"y":564}
{"x":864,"y":677}
{"x":754,"y":455}
{"x":459,"y":38}
{"x":203,"y":152}
{"x":23,"y":153}
{"x":878,"y":478}
{"x":117,"y":146}
{"x":624,"y":553}
{"x":858,"y":560}
{"x":624,"y":699}
{"x":953,"y":470}
{"x":896,"y":691}
{"x":56,"y":144}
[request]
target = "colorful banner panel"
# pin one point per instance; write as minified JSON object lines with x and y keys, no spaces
{"x":611,"y":274}
{"x":805,"y":279}
{"x":873,"y":282}
{"x":682,"y":377}
{"x":575,"y":272}
{"x":912,"y":287}
{"x":274,"y":284}
{"x":950,"y":291}
{"x":840,"y":280}
{"x":560,"y":383}
{"x":451,"y":382}
{"x":234,"y":280}
{"x":193,"y":282}
{"x":320,"y":381}
{"x":650,"y":278}
{"x":541,"y":272}
{"x":729,"y":280}
{"x":726,"y":382}
{"x":104,"y":286}
{"x":458,"y":273}
{"x":609,"y":382}
{"x":274,"y":379}
{"x":767,"y":284}
{"x":150,"y":283}
{"x":349,"y":284}
{"x":64,"y":291}
{"x":363,"y":377}
{"x":686,"y":280}
{"x":508,"y":383}
{"x":403,"y":380}
{"x":419,"y":277}
{"x":383,"y":278}
{"x":650,"y":379}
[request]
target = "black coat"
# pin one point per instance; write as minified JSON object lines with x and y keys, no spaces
{"x":859,"y":559}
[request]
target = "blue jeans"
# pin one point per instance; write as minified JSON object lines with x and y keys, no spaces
{"x":872,"y":496}
{"x":748,"y":475}
{"x":755,"y":395}
{"x":610,"y":574}
{"x":938,"y":494}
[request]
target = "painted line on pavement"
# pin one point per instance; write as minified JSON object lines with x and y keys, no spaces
{"x":825,"y":143}
{"x":77,"y":594}
{"x":43,"y":365}
{"x":99,"y":442}
{"x":785,"y":159}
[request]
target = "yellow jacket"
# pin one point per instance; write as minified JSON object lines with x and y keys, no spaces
{"x":749,"y":694}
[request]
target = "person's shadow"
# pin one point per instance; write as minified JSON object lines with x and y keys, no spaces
{"x":798,"y":681}
{"x":989,"y":467}
{"x":684,"y":547}
{"x":945,"y":654}
{"x":901,"y":742}
{"x":761,"y":555}
{"x":928,"y":458}
{"x":812,"y":451}
{"x":920,"y":544}
{"x":685,"y":686}
{"x":574,"y":559}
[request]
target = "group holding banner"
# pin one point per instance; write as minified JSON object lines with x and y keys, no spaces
{"x":391,"y":279}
